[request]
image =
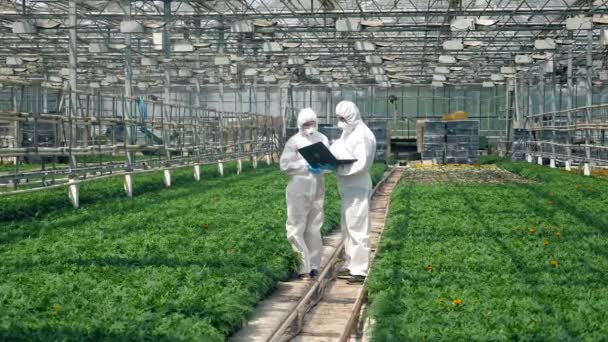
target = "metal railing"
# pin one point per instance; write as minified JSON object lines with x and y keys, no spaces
{"x":86,"y":135}
{"x":573,"y":135}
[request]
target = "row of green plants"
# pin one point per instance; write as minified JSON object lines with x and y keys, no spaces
{"x":494,"y":262}
{"x":182,"y":263}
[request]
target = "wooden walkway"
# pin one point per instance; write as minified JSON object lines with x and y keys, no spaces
{"x":326,"y":308}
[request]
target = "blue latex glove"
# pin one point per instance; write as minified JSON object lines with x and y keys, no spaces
{"x":314,"y":170}
{"x":328,"y":167}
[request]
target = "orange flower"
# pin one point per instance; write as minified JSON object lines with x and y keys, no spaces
{"x":457,"y":301}
{"x":553,"y":262}
{"x":429,"y":268}
{"x":559,"y":235}
{"x":532,"y":230}
{"x":546,"y":242}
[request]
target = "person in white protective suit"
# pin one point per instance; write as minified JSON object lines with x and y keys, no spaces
{"x":355,"y":187}
{"x":305,"y":194}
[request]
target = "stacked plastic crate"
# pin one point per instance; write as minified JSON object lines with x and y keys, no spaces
{"x":462,"y":142}
{"x":433,"y":142}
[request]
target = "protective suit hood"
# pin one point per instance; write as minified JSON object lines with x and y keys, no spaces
{"x":350,"y":112}
{"x":307,"y":115}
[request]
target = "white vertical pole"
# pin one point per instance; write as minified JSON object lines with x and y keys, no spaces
{"x":167,"y":178}
{"x":128,"y":185}
{"x":74,"y":192}
{"x":197,"y":172}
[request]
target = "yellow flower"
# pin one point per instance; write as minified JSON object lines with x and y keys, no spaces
{"x":559,"y":235}
{"x":429,"y":268}
{"x":546,"y":242}
{"x":553,"y":262}
{"x":457,"y":301}
{"x":532,"y":230}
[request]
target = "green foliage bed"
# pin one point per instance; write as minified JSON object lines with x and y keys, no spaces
{"x":185,"y":263}
{"x":495,"y":262}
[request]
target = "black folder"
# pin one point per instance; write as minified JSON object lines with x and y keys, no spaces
{"x":318,"y":154}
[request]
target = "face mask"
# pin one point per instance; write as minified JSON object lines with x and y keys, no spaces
{"x":310,"y":131}
{"x":342,"y":124}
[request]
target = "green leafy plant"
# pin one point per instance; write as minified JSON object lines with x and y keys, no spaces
{"x":181,"y":264}
{"x":516,"y":261}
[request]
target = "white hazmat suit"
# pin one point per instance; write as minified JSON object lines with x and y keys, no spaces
{"x":354,"y":185}
{"x":305,"y":195}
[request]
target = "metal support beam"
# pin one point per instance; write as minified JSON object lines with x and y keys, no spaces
{"x":167,"y":86}
{"x":589,"y":94}
{"x":73,"y":67}
{"x":328,"y":105}
{"x":480,"y":102}
{"x":418,"y":101}
{"x":553,"y":109}
{"x":221,"y":89}
{"x":45,"y":96}
{"x":129,"y":129}
{"x":541,"y":88}
{"x":569,"y":102}
{"x":197,"y":82}
{"x":517,"y":122}
{"x":167,"y":49}
{"x":533,"y":139}
{"x":496,"y":116}
{"x":402,"y":11}
{"x":372,"y":92}
{"x":73,"y":48}
{"x":540,"y":136}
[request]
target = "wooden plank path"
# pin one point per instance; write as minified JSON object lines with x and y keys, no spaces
{"x":325,"y":308}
